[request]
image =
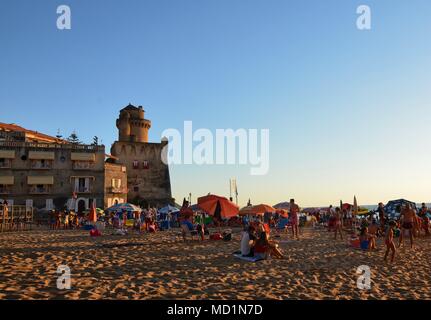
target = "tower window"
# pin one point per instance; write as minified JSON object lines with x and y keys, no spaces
{"x":136,"y":164}
{"x":145,"y":164}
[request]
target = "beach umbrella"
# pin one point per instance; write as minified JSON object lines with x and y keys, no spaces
{"x":355,"y":206}
{"x":168,"y":209}
{"x":283,"y":205}
{"x":346,"y":206}
{"x":259,"y":209}
{"x":283,"y":213}
{"x":248,"y":210}
{"x":124,"y":207}
{"x":195,"y":207}
{"x":218,"y":206}
{"x":92,"y":217}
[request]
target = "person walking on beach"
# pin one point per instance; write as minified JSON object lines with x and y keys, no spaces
{"x":423,"y":210}
{"x":338,"y":226}
{"x":389,"y":241}
{"x":408,"y":221}
{"x":381,"y":212}
{"x":294,"y":219}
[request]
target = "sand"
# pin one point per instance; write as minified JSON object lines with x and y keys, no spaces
{"x":161,"y":266}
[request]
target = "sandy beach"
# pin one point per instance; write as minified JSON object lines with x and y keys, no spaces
{"x":161,"y":266}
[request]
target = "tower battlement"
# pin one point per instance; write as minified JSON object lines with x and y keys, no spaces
{"x":132,"y":125}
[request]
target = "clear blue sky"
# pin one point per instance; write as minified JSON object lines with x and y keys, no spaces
{"x":348,"y":111}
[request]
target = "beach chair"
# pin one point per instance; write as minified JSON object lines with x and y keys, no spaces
{"x":186,"y":232}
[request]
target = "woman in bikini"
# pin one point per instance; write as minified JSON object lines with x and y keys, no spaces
{"x":338,"y":216}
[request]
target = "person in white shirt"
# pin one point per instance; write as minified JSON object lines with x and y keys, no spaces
{"x":247,"y":242}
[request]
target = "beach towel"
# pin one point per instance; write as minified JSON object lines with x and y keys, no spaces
{"x":249,"y":259}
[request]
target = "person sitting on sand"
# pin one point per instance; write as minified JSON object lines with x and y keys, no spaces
{"x":367,"y":236}
{"x":338,"y":223}
{"x":247,"y":242}
{"x":408,"y":220}
{"x":188,"y":223}
{"x":363,"y":238}
{"x":389,"y":241}
{"x":151,"y":227}
{"x":264,"y":248}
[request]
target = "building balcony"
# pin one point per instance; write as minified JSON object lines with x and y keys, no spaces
{"x":5,"y":190}
{"x":83,"y":165}
{"x":41,"y":165}
{"x":84,"y":190}
{"x":5,"y":164}
{"x":40,"y":190}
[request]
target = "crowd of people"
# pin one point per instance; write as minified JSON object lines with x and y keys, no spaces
{"x":411,"y":224}
{"x":256,"y":239}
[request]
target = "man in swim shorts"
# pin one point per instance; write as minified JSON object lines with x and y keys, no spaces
{"x":408,"y":220}
{"x":294,"y":218}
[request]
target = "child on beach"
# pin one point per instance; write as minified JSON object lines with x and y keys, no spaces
{"x":374,"y":229}
{"x":389,"y":241}
{"x":367,"y":239}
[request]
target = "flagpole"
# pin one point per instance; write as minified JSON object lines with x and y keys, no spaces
{"x":236,"y":192}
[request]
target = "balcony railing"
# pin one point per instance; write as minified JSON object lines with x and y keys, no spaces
{"x":51,"y":146}
{"x":5,"y":190}
{"x":41,"y":165}
{"x":83,"y":189}
{"x":83,"y":165}
{"x":5,"y":163}
{"x":40,"y":190}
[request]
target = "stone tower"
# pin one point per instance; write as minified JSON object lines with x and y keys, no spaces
{"x":148,"y":180}
{"x":132,"y":126}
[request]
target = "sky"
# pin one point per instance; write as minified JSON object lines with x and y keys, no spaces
{"x":348,"y":111}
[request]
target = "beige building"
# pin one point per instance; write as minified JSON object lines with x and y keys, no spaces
{"x":46,"y":172}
